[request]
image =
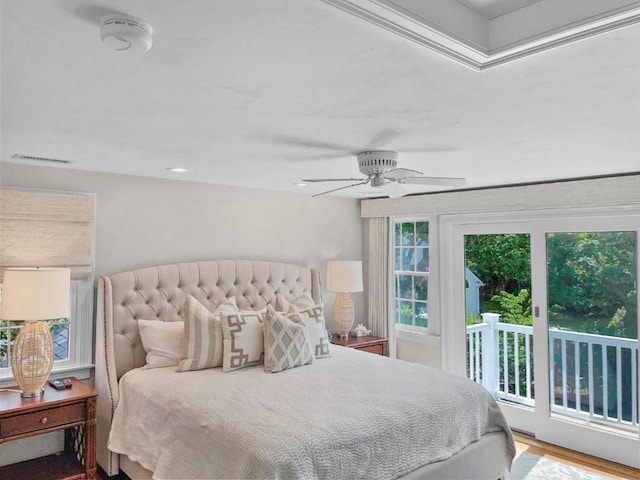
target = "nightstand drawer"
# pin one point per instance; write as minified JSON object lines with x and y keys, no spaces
{"x":373,"y":349}
{"x":32,"y":422}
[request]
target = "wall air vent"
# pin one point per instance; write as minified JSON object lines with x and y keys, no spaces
{"x":29,"y":158}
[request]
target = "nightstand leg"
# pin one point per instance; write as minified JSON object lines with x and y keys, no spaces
{"x":90,"y":441}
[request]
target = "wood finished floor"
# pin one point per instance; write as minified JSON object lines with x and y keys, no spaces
{"x":535,"y":447}
{"x":569,"y":457}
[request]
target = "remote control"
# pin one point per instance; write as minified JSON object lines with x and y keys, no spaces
{"x":60,"y":384}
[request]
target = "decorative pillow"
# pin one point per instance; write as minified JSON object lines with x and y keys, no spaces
{"x":162,"y":341}
{"x":202,"y":345}
{"x":286,"y":342}
{"x":243,"y":339}
{"x":313,"y":318}
{"x":303,"y":301}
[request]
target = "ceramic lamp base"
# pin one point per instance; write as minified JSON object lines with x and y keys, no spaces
{"x":343,"y":314}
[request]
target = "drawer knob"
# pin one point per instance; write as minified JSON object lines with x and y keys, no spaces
{"x":44,"y":420}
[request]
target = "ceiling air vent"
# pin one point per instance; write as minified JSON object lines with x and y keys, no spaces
{"x":18,"y":156}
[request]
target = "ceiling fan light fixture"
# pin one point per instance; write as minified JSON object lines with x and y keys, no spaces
{"x":126,"y":33}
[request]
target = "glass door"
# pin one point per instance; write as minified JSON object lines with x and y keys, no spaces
{"x":559,"y":350}
{"x":590,"y":315}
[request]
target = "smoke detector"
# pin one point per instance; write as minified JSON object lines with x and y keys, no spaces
{"x":126,"y":33}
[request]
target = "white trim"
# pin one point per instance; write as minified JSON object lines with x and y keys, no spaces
{"x":460,"y":47}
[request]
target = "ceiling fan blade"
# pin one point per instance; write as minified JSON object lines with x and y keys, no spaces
{"x":341,"y":188}
{"x":384,"y":137}
{"x":399,"y":173}
{"x":442,"y":181}
{"x":431,"y":149}
{"x":394,"y":190}
{"x":303,"y":142}
{"x":313,"y":180}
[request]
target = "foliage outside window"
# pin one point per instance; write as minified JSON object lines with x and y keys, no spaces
{"x":411,"y":269}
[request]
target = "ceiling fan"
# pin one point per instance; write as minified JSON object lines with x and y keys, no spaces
{"x":380,"y":170}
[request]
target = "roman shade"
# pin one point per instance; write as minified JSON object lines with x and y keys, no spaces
{"x":47,"y":229}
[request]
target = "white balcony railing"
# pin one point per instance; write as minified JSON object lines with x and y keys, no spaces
{"x":592,"y":375}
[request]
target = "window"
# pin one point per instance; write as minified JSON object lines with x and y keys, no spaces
{"x":72,"y":337}
{"x":51,"y":229}
{"x":411,"y":270}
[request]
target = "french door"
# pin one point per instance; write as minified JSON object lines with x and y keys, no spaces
{"x":569,"y":374}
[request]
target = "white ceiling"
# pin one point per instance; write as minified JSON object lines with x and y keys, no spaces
{"x":491,"y":9}
{"x":234,"y":90}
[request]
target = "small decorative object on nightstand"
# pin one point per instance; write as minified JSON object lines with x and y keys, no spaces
{"x":368,"y":343}
{"x":73,"y":410}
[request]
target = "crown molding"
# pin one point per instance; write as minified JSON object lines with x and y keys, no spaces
{"x":385,"y":14}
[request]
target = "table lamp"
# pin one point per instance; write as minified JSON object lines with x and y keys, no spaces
{"x":344,"y":277}
{"x":34,"y":295}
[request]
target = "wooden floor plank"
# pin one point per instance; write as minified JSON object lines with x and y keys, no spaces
{"x":573,"y":458}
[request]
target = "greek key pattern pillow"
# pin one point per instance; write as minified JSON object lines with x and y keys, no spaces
{"x":313,"y":318}
{"x":243,"y":340}
{"x":202,"y":343}
{"x":286,"y":342}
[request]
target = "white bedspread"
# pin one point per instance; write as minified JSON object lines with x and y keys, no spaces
{"x":354,"y":415}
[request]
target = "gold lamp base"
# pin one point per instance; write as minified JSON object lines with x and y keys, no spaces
{"x":32,"y":358}
{"x":343,"y":314}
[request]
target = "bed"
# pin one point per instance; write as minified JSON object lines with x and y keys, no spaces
{"x":351,"y":415}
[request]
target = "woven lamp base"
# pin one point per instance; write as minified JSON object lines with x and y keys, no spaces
{"x":343,"y":314}
{"x":32,"y":358}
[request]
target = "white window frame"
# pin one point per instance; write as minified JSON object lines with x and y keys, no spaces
{"x":79,"y":362}
{"x":429,"y":334}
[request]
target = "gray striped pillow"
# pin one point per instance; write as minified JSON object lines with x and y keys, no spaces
{"x":202,"y":344}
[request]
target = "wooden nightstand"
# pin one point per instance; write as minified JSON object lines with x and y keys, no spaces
{"x":368,"y":343}
{"x":72,"y":409}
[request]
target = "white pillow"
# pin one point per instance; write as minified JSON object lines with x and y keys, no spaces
{"x":286,"y":342}
{"x":162,"y":341}
{"x":202,"y":345}
{"x":303,"y":301}
{"x":243,"y":340}
{"x":313,"y":318}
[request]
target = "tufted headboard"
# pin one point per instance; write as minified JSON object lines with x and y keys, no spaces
{"x":160,"y":293}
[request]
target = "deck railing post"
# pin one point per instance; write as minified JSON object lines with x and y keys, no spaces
{"x":490,"y":373}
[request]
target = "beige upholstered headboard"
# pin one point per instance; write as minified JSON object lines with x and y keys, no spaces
{"x":160,"y":293}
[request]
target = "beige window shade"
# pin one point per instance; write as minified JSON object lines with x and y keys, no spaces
{"x":47,"y":229}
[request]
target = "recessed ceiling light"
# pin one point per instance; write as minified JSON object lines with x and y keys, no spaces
{"x":177,"y":170}
{"x":301,"y":184}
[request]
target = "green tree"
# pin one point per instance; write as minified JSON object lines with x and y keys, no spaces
{"x":501,"y":261}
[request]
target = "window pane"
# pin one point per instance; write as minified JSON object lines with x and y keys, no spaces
{"x":422,"y":233}
{"x":422,"y":259}
{"x":405,"y":288}
{"x":420,"y":292}
{"x":406,"y":312}
{"x":411,"y":255}
{"x":60,"y":334}
{"x":408,"y":259}
{"x":421,"y":314}
{"x":407,"y":233}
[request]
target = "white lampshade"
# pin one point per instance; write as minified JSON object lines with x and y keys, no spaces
{"x":344,"y":276}
{"x":34,"y":294}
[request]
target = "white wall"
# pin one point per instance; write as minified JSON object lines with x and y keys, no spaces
{"x":144,"y":221}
